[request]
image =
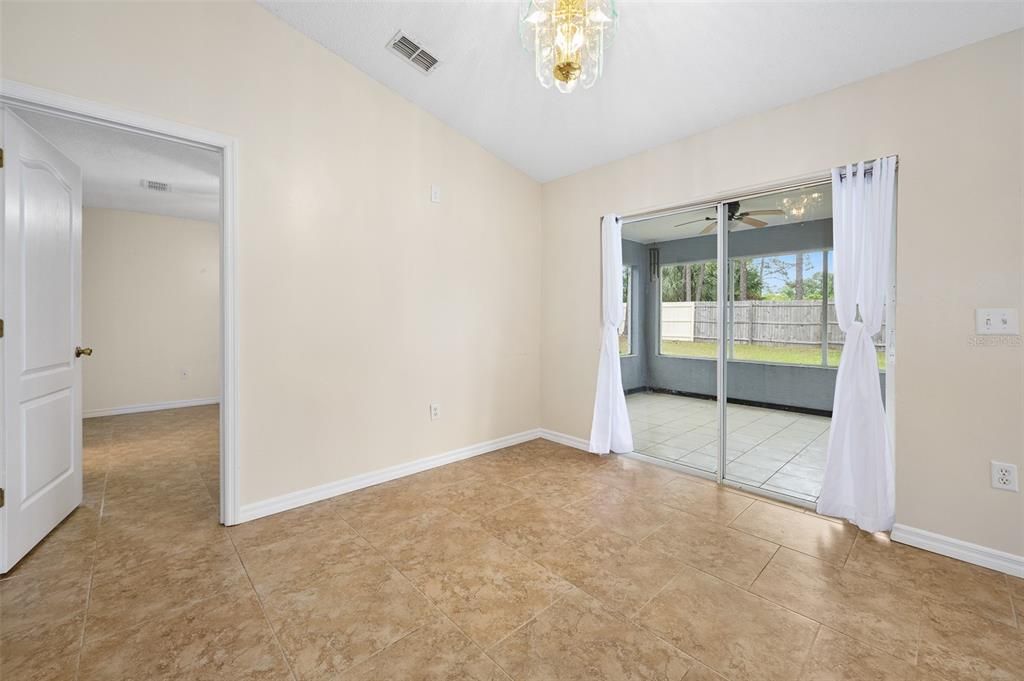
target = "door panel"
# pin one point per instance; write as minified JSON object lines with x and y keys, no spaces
{"x":46,"y":275}
{"x":48,"y":430}
{"x":42,"y":472}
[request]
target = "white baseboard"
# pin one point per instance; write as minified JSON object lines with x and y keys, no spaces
{"x":286,"y":502}
{"x":961,"y":550}
{"x":152,"y":406}
{"x":563,"y":439}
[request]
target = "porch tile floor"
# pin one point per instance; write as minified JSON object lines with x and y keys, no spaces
{"x":579,"y":567}
{"x":779,"y":451}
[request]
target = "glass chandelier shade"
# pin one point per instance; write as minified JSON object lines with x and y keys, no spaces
{"x":567,"y":39}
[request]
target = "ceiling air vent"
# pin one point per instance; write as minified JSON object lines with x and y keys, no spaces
{"x":155,"y":186}
{"x":412,"y":53}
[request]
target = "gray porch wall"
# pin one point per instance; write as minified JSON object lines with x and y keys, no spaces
{"x":634,"y":366}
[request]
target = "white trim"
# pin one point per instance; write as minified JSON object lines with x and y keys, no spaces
{"x":961,"y":550}
{"x":151,"y":406}
{"x":563,"y":439}
{"x":286,"y":502}
{"x":38,"y":99}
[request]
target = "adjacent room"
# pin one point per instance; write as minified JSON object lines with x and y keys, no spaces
{"x":525,"y":340}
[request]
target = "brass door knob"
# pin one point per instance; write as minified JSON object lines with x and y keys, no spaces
{"x":83,"y":351}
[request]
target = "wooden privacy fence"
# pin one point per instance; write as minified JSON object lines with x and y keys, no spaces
{"x":760,"y":322}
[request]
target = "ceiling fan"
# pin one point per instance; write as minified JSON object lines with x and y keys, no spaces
{"x":746,"y":217}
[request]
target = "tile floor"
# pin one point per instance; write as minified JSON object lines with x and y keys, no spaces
{"x":775,"y":450}
{"x":534,"y":563}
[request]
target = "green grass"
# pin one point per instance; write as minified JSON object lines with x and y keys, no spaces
{"x":784,"y":354}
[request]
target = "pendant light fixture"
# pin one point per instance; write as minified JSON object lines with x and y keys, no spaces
{"x":567,"y":39}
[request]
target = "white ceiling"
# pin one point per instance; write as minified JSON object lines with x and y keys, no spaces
{"x":114,"y":161}
{"x":799,"y":205}
{"x":674,"y":69}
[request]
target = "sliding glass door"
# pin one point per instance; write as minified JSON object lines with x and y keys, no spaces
{"x":781,"y":343}
{"x":672,"y":374}
{"x":734,"y":350}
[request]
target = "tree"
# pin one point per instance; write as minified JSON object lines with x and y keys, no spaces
{"x":798,"y":278}
{"x":811,"y":286}
{"x":699,"y":282}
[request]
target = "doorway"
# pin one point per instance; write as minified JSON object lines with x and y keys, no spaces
{"x":62,"y":123}
{"x":733,"y":377}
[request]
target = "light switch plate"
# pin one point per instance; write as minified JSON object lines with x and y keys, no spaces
{"x":996,"y":321}
{"x":435,"y":193}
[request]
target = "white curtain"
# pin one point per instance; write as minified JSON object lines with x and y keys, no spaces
{"x":859,"y":473}
{"x":610,"y":431}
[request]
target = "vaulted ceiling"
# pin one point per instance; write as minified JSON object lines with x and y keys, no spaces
{"x":674,"y":69}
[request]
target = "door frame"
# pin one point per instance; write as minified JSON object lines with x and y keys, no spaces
{"x":24,"y":96}
{"x":718,"y":200}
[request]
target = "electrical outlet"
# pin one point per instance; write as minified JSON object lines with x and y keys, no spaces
{"x":435,"y":412}
{"x":184,"y":374}
{"x":1004,"y":476}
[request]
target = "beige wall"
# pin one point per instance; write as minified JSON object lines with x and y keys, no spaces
{"x":150,"y":309}
{"x":361,"y":301}
{"x":956,"y":122}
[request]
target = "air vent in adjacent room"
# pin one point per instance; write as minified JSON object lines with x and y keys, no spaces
{"x":411,"y":52}
{"x":155,"y":186}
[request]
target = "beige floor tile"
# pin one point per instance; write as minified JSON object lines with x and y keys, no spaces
{"x":577,"y":638}
{"x":436,"y":650}
{"x":1017,"y":592}
{"x":69,"y":547}
{"x":634,"y":477}
{"x":338,"y":622}
{"x":531,"y":525}
{"x":43,"y":652}
{"x":120,"y":599}
{"x":621,"y":574}
{"x":125,"y":542}
{"x":373,"y":510}
{"x":503,"y":465}
{"x":476,"y":496}
{"x":222,"y":638}
{"x":800,"y":531}
{"x":484,"y":586}
{"x":949,"y":581}
{"x":438,"y":534}
{"x":304,"y":559}
{"x":436,"y":479}
{"x":959,"y":646}
{"x":741,"y":636}
{"x":867,"y":609}
{"x":703,"y":499}
{"x":700,"y":672}
{"x":837,"y":657}
{"x":312,"y":518}
{"x":557,"y":486}
{"x":37,"y":599}
{"x":722,"y":551}
{"x":629,"y":514}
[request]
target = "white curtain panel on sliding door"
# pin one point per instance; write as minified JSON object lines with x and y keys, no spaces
{"x":610,"y":431}
{"x":859,"y":474}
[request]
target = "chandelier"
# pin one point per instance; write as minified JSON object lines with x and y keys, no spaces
{"x":567,"y":38}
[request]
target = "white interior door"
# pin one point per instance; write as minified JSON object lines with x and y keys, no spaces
{"x":42,"y":381}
